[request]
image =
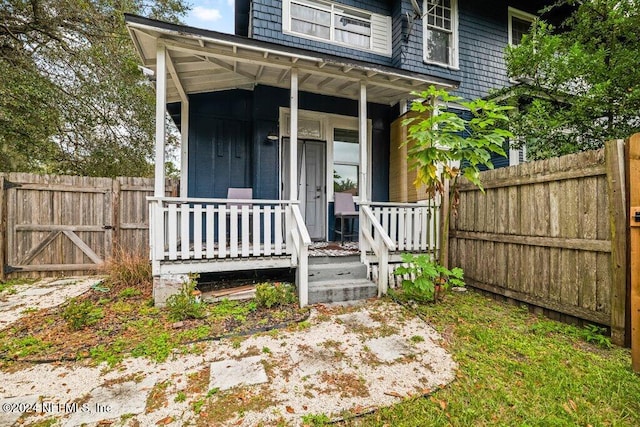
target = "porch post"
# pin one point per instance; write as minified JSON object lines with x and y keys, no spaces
{"x":161,"y":105}
{"x":293,"y":137}
{"x":364,"y":161}
{"x":184,"y":147}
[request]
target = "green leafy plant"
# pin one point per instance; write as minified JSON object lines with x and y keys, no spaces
{"x":185,"y":305}
{"x":595,"y":335}
{"x":427,"y":277}
{"x":275,"y":294}
{"x":81,"y":314}
{"x":129,"y":293}
{"x":180,"y":397}
{"x":316,"y":420}
{"x":444,"y":146}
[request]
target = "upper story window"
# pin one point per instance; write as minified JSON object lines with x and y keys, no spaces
{"x":334,"y":23}
{"x":519,"y":25}
{"x":441,"y":32}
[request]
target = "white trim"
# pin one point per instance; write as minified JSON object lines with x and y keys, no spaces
{"x":293,"y":137}
{"x":380,"y":25}
{"x":454,"y":58}
{"x":520,"y":14}
{"x":184,"y":148}
{"x":363,"y":138}
{"x":161,"y":131}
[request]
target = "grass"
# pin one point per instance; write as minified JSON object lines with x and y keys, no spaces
{"x":519,"y":369}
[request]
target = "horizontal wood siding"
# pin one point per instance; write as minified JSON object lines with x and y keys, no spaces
{"x":540,"y":234}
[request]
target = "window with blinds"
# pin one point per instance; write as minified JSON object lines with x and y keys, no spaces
{"x":338,"y":24}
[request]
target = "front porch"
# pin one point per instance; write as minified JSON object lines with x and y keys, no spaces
{"x":287,"y":123}
{"x":192,"y":235}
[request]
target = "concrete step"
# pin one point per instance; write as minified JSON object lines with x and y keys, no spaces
{"x":326,"y":259}
{"x":338,"y":271}
{"x":341,"y":290}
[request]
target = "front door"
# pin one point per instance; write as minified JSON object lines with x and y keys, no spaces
{"x":312,"y":181}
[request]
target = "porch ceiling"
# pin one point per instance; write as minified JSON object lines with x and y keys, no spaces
{"x":206,"y":61}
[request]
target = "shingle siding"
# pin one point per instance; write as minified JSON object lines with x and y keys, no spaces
{"x":267,"y":26}
{"x":482,"y":38}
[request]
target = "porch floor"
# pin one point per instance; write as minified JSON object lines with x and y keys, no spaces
{"x":337,"y":249}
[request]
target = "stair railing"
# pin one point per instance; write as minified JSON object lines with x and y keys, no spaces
{"x":373,"y":238}
{"x":300,"y":254}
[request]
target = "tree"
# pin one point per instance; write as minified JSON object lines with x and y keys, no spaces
{"x":581,"y":81}
{"x":445,"y":147}
{"x":72,"y":99}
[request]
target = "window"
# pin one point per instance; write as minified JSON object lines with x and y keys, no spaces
{"x":346,"y":161}
{"x":519,"y":25}
{"x":337,"y":24}
{"x":440,"y":32}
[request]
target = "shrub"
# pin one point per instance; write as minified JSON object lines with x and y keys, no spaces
{"x":81,"y":314}
{"x":426,"y":277}
{"x":275,"y":294}
{"x":185,"y":305}
{"x":128,"y":269}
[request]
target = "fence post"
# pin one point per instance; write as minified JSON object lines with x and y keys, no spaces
{"x":634,"y":203}
{"x":115,"y":216}
{"x":615,"y":164}
{"x":3,"y":228}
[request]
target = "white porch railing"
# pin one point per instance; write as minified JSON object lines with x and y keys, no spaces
{"x":374,"y":238}
{"x":193,"y":229}
{"x":413,"y":227}
{"x":402,"y":227}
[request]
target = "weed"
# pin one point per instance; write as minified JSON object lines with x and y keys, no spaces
{"x":185,"y":305}
{"x":595,"y":335}
{"x":155,"y":347}
{"x":81,"y":314}
{"x":129,"y":293}
{"x":29,"y":310}
{"x":26,"y":346}
{"x":305,"y":324}
{"x":122,"y":307}
{"x":212,"y":392}
{"x":426,"y":277}
{"x":9,"y":286}
{"x":197,"y":405}
{"x":266,"y":350}
{"x":416,"y":339}
{"x":180,"y":397}
{"x":275,"y":294}
{"x":316,"y":420}
{"x":111,"y":354}
{"x":128,"y":269}
{"x":233,"y":309}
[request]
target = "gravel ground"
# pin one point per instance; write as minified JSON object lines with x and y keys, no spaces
{"x":343,"y":360}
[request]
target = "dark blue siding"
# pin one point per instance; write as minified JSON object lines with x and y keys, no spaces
{"x":483,"y":36}
{"x":219,"y":143}
{"x":228,"y":132}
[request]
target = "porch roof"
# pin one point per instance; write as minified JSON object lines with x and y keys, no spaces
{"x":205,"y":61}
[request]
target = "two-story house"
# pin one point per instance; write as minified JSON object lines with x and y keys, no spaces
{"x":303,"y":102}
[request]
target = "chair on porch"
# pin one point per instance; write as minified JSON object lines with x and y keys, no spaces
{"x":345,"y":209}
{"x":239,"y":194}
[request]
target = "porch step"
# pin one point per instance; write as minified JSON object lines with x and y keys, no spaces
{"x":328,"y":291}
{"x":337,"y":271}
{"x":326,"y":259}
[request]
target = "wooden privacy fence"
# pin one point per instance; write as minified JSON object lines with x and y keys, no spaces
{"x":550,"y":233}
{"x":70,"y":224}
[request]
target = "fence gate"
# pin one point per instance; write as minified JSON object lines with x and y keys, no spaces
{"x":57,"y":223}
